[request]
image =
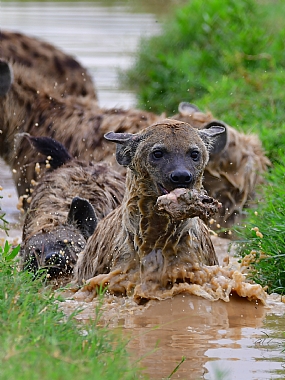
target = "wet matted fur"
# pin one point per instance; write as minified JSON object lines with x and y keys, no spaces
{"x":231,"y":175}
{"x":63,"y":71}
{"x":138,"y":246}
{"x":65,"y":207}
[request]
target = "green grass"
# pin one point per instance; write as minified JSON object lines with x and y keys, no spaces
{"x":200,"y":44}
{"x":252,"y":103}
{"x":3,"y":221}
{"x":228,"y":57}
{"x":263,"y":235}
{"x":39,"y":342}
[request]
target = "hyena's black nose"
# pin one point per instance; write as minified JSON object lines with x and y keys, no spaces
{"x":55,"y":259}
{"x":181,"y":177}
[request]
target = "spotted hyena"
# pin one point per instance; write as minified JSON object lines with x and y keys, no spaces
{"x":64,"y":72}
{"x":65,"y":207}
{"x":230,"y":175}
{"x":155,"y":238}
{"x":32,"y":106}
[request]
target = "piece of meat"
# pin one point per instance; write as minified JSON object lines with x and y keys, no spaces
{"x":184,"y":203}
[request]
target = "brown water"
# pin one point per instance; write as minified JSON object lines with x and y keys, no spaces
{"x":241,"y":339}
{"x":238,"y":339}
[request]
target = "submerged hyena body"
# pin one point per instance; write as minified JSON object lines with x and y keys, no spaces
{"x":144,"y":245}
{"x":65,"y":207}
{"x":32,"y":105}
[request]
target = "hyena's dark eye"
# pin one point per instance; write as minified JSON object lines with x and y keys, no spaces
{"x":195,"y":155}
{"x":157,"y":154}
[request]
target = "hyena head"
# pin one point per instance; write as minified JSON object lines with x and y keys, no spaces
{"x":168,"y":155}
{"x":56,"y":251}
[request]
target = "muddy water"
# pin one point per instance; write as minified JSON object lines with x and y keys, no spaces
{"x":210,"y":335}
{"x":239,"y":339}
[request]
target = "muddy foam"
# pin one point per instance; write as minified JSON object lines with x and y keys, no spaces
{"x":210,"y":282}
{"x":177,"y":277}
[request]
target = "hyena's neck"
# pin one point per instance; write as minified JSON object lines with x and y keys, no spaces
{"x":151,"y":230}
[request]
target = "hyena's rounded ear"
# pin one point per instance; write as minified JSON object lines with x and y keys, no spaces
{"x":186,"y":109}
{"x":126,"y":146}
{"x":214,"y":135}
{"x":46,"y":146}
{"x":82,"y":214}
{"x":6,"y":77}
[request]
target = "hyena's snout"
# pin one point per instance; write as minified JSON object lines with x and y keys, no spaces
{"x":173,"y":177}
{"x":50,"y":260}
{"x":181,"y":178}
{"x":57,"y":261}
{"x":54,"y":258}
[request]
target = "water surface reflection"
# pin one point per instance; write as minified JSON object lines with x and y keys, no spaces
{"x":239,"y":338}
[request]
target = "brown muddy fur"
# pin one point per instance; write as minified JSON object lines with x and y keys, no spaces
{"x":46,"y":226}
{"x":79,"y":123}
{"x":137,"y":249}
{"x":32,"y":106}
{"x":232,"y":175}
{"x":64,"y":72}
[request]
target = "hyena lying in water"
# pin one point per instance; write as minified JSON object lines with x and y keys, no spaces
{"x":155,"y":238}
{"x":64,"y":72}
{"x":32,"y":106}
{"x":64,"y":210}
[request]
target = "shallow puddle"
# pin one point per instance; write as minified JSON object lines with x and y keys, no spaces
{"x":237,"y":339}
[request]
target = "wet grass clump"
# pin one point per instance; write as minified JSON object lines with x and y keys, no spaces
{"x":39,"y":342}
{"x":262,"y":239}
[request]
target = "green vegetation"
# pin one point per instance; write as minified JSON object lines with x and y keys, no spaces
{"x":196,"y":47}
{"x":3,"y":221}
{"x":253,"y":103}
{"x":228,"y":57}
{"x":263,"y":238}
{"x":38,"y":341}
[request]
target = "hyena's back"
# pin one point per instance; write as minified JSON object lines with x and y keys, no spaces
{"x":66,"y":74}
